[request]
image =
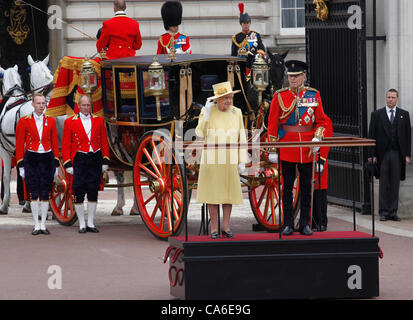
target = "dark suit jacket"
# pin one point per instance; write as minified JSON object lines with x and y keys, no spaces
{"x":380,"y":130}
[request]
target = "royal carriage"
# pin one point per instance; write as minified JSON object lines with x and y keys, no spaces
{"x":150,"y":104}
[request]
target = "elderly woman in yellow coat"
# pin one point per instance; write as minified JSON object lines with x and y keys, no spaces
{"x":219,"y":181}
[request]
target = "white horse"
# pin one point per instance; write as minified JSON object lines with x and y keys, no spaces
{"x":16,"y":106}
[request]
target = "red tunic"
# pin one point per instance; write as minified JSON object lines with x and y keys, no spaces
{"x":180,"y":43}
{"x":298,"y":116}
{"x":324,"y":155}
{"x":122,"y":37}
{"x":27,"y":136}
{"x":75,"y":138}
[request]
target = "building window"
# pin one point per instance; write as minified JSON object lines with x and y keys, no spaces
{"x":292,"y":17}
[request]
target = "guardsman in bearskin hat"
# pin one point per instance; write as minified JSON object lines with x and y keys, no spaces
{"x":85,"y":154}
{"x":296,"y":114}
{"x":247,"y":41}
{"x":320,"y":193}
{"x":37,"y":155}
{"x":171,"y":12}
{"x":120,"y":35}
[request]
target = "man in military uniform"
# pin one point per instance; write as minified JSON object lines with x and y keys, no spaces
{"x":120,"y":35}
{"x":37,"y":155}
{"x":171,"y":12}
{"x":246,"y":41}
{"x":296,"y":114}
{"x":85,"y":154}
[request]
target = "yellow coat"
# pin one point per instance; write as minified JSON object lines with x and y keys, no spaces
{"x":219,"y":181}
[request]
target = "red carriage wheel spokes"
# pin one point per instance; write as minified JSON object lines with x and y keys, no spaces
{"x":61,"y":199}
{"x":264,"y":201}
{"x":161,"y":213}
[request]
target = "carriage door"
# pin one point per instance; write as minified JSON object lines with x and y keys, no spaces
{"x":336,"y":55}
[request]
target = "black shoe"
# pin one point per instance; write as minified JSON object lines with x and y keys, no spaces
{"x":22,"y":203}
{"x":288,"y":231}
{"x":35,"y":232}
{"x":214,"y":235}
{"x":82,"y":230}
{"x":227,"y":234}
{"x":306,"y":231}
{"x":90,"y":229}
{"x":383,"y":218}
{"x":394,"y":218}
{"x":323,"y":228}
{"x":45,"y":231}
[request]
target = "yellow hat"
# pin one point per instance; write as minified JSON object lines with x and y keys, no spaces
{"x":222,"y":89}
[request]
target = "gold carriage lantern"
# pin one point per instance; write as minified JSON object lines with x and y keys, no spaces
{"x":88,"y":77}
{"x":156,"y":84}
{"x":260,"y":76}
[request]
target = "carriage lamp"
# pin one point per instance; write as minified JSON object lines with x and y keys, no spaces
{"x":156,"y":84}
{"x":88,"y":77}
{"x":260,"y":76}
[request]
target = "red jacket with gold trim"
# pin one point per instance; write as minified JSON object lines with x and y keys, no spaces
{"x":27,"y":137}
{"x":180,"y":43}
{"x":121,"y":35}
{"x":296,"y":118}
{"x":76,"y":139}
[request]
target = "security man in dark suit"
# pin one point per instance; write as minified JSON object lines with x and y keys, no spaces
{"x":390,"y":127}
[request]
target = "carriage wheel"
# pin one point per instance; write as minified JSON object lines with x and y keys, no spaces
{"x":265,"y":200}
{"x":152,"y":185}
{"x":61,"y":199}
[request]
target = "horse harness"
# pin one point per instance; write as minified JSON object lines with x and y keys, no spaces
{"x":17,"y":104}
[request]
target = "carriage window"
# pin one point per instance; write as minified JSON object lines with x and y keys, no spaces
{"x":108,"y":104}
{"x":292,"y":17}
{"x":126,"y":103}
{"x":148,"y":109}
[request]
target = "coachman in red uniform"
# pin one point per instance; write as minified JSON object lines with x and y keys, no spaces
{"x":37,"y":155}
{"x":120,"y":35}
{"x":296,"y":114}
{"x":85,"y":153}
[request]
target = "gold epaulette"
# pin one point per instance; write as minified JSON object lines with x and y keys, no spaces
{"x":29,"y":116}
{"x":94,"y":116}
{"x":281,"y":90}
{"x":75,"y":117}
{"x":310,"y":89}
{"x":235,"y":41}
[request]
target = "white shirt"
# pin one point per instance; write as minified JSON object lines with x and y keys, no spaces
{"x":39,"y":125}
{"x":389,"y":113}
{"x":87,"y":125}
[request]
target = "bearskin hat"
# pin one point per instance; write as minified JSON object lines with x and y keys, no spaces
{"x":171,"y":12}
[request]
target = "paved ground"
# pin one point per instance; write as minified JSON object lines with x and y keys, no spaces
{"x":124,"y":261}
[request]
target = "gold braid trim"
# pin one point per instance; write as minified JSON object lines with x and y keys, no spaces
{"x":287,"y":111}
{"x":319,"y":133}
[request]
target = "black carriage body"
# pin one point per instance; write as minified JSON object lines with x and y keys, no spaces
{"x":130,"y":110}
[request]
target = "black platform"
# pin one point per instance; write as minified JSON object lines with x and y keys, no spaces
{"x":262,"y":266}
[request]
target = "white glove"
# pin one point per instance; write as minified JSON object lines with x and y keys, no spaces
{"x":242,"y":170}
{"x":56,"y":172}
{"x":21,"y":172}
{"x":69,"y":170}
{"x":315,"y":149}
{"x":273,"y":157}
{"x":208,"y":105}
{"x":319,"y":168}
{"x":105,"y":167}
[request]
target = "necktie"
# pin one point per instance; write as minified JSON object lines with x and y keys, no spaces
{"x":391,"y":116}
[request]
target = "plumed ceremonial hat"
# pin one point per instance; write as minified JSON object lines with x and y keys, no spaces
{"x":243,"y":16}
{"x":295,"y":67}
{"x":171,"y":12}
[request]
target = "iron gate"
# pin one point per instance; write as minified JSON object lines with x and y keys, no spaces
{"x":336,"y":57}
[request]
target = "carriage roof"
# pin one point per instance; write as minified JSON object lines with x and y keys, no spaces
{"x":165,"y":61}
